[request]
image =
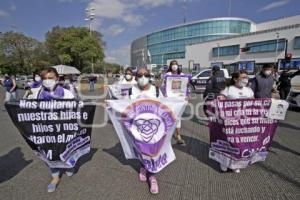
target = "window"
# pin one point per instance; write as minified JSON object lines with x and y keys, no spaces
{"x":266,"y":46}
{"x":205,"y":74}
{"x":226,"y":51}
{"x":297,"y":42}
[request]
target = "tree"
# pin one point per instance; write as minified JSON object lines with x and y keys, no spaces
{"x":74,"y":46}
{"x":17,"y":52}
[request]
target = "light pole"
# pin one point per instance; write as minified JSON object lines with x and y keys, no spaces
{"x":90,"y":15}
{"x":277,"y":40}
{"x":218,"y":51}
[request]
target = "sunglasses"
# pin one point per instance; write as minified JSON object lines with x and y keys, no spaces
{"x":141,"y":75}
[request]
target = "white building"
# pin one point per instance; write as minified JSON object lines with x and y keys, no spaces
{"x":267,"y":42}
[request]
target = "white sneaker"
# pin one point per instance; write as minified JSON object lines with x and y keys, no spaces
{"x":223,"y":168}
{"x":236,"y":170}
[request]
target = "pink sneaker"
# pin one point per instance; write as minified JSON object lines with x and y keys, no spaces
{"x":143,"y":174}
{"x":153,"y":185}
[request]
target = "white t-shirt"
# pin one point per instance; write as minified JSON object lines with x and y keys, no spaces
{"x":36,"y":91}
{"x":136,"y":92}
{"x":233,"y":92}
{"x":124,"y":81}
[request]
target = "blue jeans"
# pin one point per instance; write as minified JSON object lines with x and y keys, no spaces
{"x":55,"y":172}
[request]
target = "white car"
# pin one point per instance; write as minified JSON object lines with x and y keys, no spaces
{"x":294,"y":95}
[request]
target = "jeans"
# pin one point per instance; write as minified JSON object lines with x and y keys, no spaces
{"x":92,"y":86}
{"x":10,"y":95}
{"x":55,"y":172}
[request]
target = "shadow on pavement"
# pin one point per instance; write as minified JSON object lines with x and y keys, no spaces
{"x":117,"y":152}
{"x":12,"y":163}
{"x":283,"y":148}
{"x":279,"y":174}
{"x":84,"y":159}
{"x":286,"y":125}
{"x":199,"y":150}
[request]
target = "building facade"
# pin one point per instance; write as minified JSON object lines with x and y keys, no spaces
{"x":170,"y":43}
{"x":268,"y":42}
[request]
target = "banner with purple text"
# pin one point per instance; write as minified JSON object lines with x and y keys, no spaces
{"x":145,"y":128}
{"x":240,"y":132}
{"x":59,"y":131}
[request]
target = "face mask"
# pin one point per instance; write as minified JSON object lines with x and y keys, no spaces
{"x":37,"y":78}
{"x":268,"y":72}
{"x":174,"y":67}
{"x":143,"y":81}
{"x":128,"y":77}
{"x":49,"y":84}
{"x":243,"y":83}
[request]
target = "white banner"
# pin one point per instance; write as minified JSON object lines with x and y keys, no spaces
{"x":119,"y":91}
{"x":145,"y":128}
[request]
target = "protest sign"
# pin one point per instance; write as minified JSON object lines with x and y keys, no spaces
{"x":176,"y":85}
{"x":145,"y":128}
{"x":240,"y":132}
{"x":278,"y":109}
{"x":58,"y":130}
{"x":119,"y":91}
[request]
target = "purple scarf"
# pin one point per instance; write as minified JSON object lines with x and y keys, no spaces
{"x":46,"y":95}
{"x":36,"y":84}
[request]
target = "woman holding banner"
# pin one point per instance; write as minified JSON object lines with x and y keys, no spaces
{"x":128,"y":78}
{"x":237,"y":89}
{"x":48,"y":91}
{"x":174,"y":70}
{"x":143,"y":89}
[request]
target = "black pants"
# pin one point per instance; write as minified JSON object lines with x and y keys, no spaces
{"x":284,"y":92}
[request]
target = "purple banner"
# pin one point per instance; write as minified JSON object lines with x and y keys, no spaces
{"x":240,"y":134}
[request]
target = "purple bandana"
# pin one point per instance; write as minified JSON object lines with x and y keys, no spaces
{"x":46,"y":95}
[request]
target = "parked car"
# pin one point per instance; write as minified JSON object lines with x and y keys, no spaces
{"x":198,"y":82}
{"x":23,"y":81}
{"x":294,"y":95}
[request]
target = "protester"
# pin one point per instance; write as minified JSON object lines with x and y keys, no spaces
{"x":237,"y":89}
{"x":174,"y":70}
{"x":36,"y":83}
{"x":9,"y":83}
{"x":92,"y":81}
{"x":50,"y":90}
{"x":70,"y":85}
{"x":284,"y":83}
{"x":238,"y":86}
{"x":128,"y":78}
{"x":214,"y":85}
{"x":262,"y":83}
{"x":143,"y":89}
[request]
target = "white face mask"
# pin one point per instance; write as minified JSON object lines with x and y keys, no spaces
{"x":49,"y":84}
{"x":37,"y":78}
{"x":128,"y":77}
{"x":268,"y":72}
{"x":243,"y":83}
{"x":143,"y":81}
{"x":174,"y":67}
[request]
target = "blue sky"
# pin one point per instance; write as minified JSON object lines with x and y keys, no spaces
{"x":122,"y":21}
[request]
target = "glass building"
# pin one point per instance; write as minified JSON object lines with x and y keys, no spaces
{"x":170,"y":43}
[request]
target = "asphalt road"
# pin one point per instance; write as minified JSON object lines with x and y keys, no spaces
{"x":106,"y":174}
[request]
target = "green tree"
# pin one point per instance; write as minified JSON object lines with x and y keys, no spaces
{"x":17,"y":52}
{"x":74,"y":46}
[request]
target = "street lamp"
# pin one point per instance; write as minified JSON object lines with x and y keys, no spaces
{"x":277,"y":40}
{"x":90,"y":15}
{"x":218,"y":51}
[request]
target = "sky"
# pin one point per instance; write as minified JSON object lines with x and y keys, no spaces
{"x":122,"y":21}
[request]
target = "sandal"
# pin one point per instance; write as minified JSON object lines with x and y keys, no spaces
{"x":153,"y":185}
{"x":143,"y":174}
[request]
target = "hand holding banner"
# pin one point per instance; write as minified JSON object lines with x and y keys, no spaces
{"x":176,"y":85}
{"x":54,"y":129}
{"x":145,"y":128}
